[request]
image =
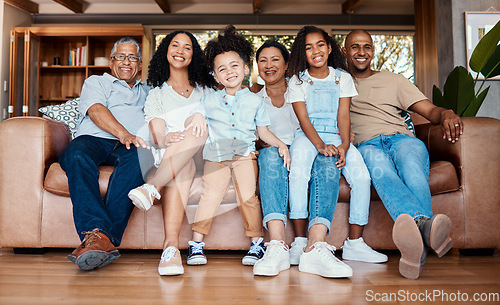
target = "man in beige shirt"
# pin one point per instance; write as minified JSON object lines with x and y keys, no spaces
{"x":398,"y":162}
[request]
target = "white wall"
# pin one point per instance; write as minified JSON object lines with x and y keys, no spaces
{"x":450,"y":25}
{"x":11,"y":17}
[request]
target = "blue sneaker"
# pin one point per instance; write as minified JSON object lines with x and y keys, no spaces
{"x":195,"y":253}
{"x":256,"y":252}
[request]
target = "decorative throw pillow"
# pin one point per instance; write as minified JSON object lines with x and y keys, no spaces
{"x":406,"y":115}
{"x":66,"y":113}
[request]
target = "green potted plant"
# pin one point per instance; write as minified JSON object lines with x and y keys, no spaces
{"x":459,"y":89}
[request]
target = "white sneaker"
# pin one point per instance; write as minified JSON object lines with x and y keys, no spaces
{"x":322,"y":261}
{"x":171,"y":262}
{"x":296,"y":249}
{"x":275,"y":259}
{"x":143,"y":196}
{"x":358,"y":250}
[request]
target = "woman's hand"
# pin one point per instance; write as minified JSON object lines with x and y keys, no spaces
{"x":170,"y":138}
{"x":285,"y":154}
{"x":199,"y":125}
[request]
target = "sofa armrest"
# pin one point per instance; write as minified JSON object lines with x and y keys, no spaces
{"x":29,"y":146}
{"x":476,"y":157}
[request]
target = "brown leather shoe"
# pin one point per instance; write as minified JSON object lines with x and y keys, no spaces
{"x":435,"y":232}
{"x":96,"y":250}
{"x":408,"y":240}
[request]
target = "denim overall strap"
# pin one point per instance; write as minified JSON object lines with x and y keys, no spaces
{"x":322,"y":103}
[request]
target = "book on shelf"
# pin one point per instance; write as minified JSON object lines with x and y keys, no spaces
{"x":78,"y":56}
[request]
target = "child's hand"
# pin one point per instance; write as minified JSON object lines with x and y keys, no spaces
{"x":199,"y":125}
{"x":342,"y":152}
{"x":285,"y":154}
{"x":170,"y":138}
{"x":328,"y":150}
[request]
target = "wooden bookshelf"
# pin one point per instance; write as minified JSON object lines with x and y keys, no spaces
{"x":36,"y":81}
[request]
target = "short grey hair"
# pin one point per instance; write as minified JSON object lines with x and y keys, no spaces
{"x":126,"y":40}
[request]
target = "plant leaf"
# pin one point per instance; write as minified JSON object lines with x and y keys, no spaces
{"x":437,"y":97}
{"x":459,"y":89}
{"x":476,"y":104}
{"x":484,"y":48}
{"x":492,"y":67}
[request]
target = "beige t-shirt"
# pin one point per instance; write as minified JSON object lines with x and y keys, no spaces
{"x":377,"y":108}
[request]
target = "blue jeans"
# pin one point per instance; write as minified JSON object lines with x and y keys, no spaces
{"x":399,"y":168}
{"x":81,"y":160}
{"x":303,"y":153}
{"x":356,"y":174}
{"x":273,"y":185}
{"x":324,"y":191}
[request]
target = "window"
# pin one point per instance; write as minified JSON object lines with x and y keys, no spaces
{"x":392,"y":52}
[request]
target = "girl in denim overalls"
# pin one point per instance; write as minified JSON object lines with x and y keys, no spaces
{"x":320,"y":91}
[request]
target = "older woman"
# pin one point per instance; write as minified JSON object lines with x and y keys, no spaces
{"x":272,"y":61}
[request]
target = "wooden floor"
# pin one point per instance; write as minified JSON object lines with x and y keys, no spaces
{"x":133,"y":279}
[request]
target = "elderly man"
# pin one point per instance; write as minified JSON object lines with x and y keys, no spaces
{"x":111,"y":113}
{"x":398,"y":162}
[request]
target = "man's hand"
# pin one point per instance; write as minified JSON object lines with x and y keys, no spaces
{"x":451,"y":125}
{"x":129,"y":139}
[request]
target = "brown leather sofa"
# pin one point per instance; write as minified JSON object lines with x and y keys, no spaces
{"x":36,"y":210}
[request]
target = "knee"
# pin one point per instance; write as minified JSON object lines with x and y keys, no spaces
{"x":73,"y":158}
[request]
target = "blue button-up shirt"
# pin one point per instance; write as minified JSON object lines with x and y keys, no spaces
{"x":125,"y":103}
{"x":232,"y":122}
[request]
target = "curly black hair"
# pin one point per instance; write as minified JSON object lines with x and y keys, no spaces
{"x":298,"y":62}
{"x":228,"y":40}
{"x":159,"y":67}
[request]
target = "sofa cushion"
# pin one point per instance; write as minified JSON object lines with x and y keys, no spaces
{"x":56,"y":183}
{"x":442,"y":179}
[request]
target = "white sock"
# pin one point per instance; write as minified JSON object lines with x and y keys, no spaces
{"x":353,"y":241}
{"x":300,"y":240}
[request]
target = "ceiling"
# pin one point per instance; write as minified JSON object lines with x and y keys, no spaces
{"x":373,"y":15}
{"x":361,"y":7}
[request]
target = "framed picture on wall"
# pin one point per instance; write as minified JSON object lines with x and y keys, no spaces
{"x":477,"y":24}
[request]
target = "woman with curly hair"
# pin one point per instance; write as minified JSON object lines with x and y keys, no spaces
{"x":233,"y":114}
{"x":177,"y":130}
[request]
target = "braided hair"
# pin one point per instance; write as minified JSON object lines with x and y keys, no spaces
{"x":298,"y":61}
{"x":159,"y":67}
{"x":228,"y":40}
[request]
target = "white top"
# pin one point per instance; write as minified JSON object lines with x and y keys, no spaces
{"x":284,"y":123}
{"x":165,"y":103}
{"x":298,"y":91}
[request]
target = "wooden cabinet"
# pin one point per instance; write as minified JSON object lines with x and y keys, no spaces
{"x":42,"y":72}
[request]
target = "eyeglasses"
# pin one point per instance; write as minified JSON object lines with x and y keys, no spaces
{"x":121,"y":57}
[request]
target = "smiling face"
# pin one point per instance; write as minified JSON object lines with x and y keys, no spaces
{"x":125,"y":69}
{"x":180,"y":51}
{"x":317,"y":51}
{"x":230,"y":70}
{"x":359,"y":52}
{"x":271,"y":65}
